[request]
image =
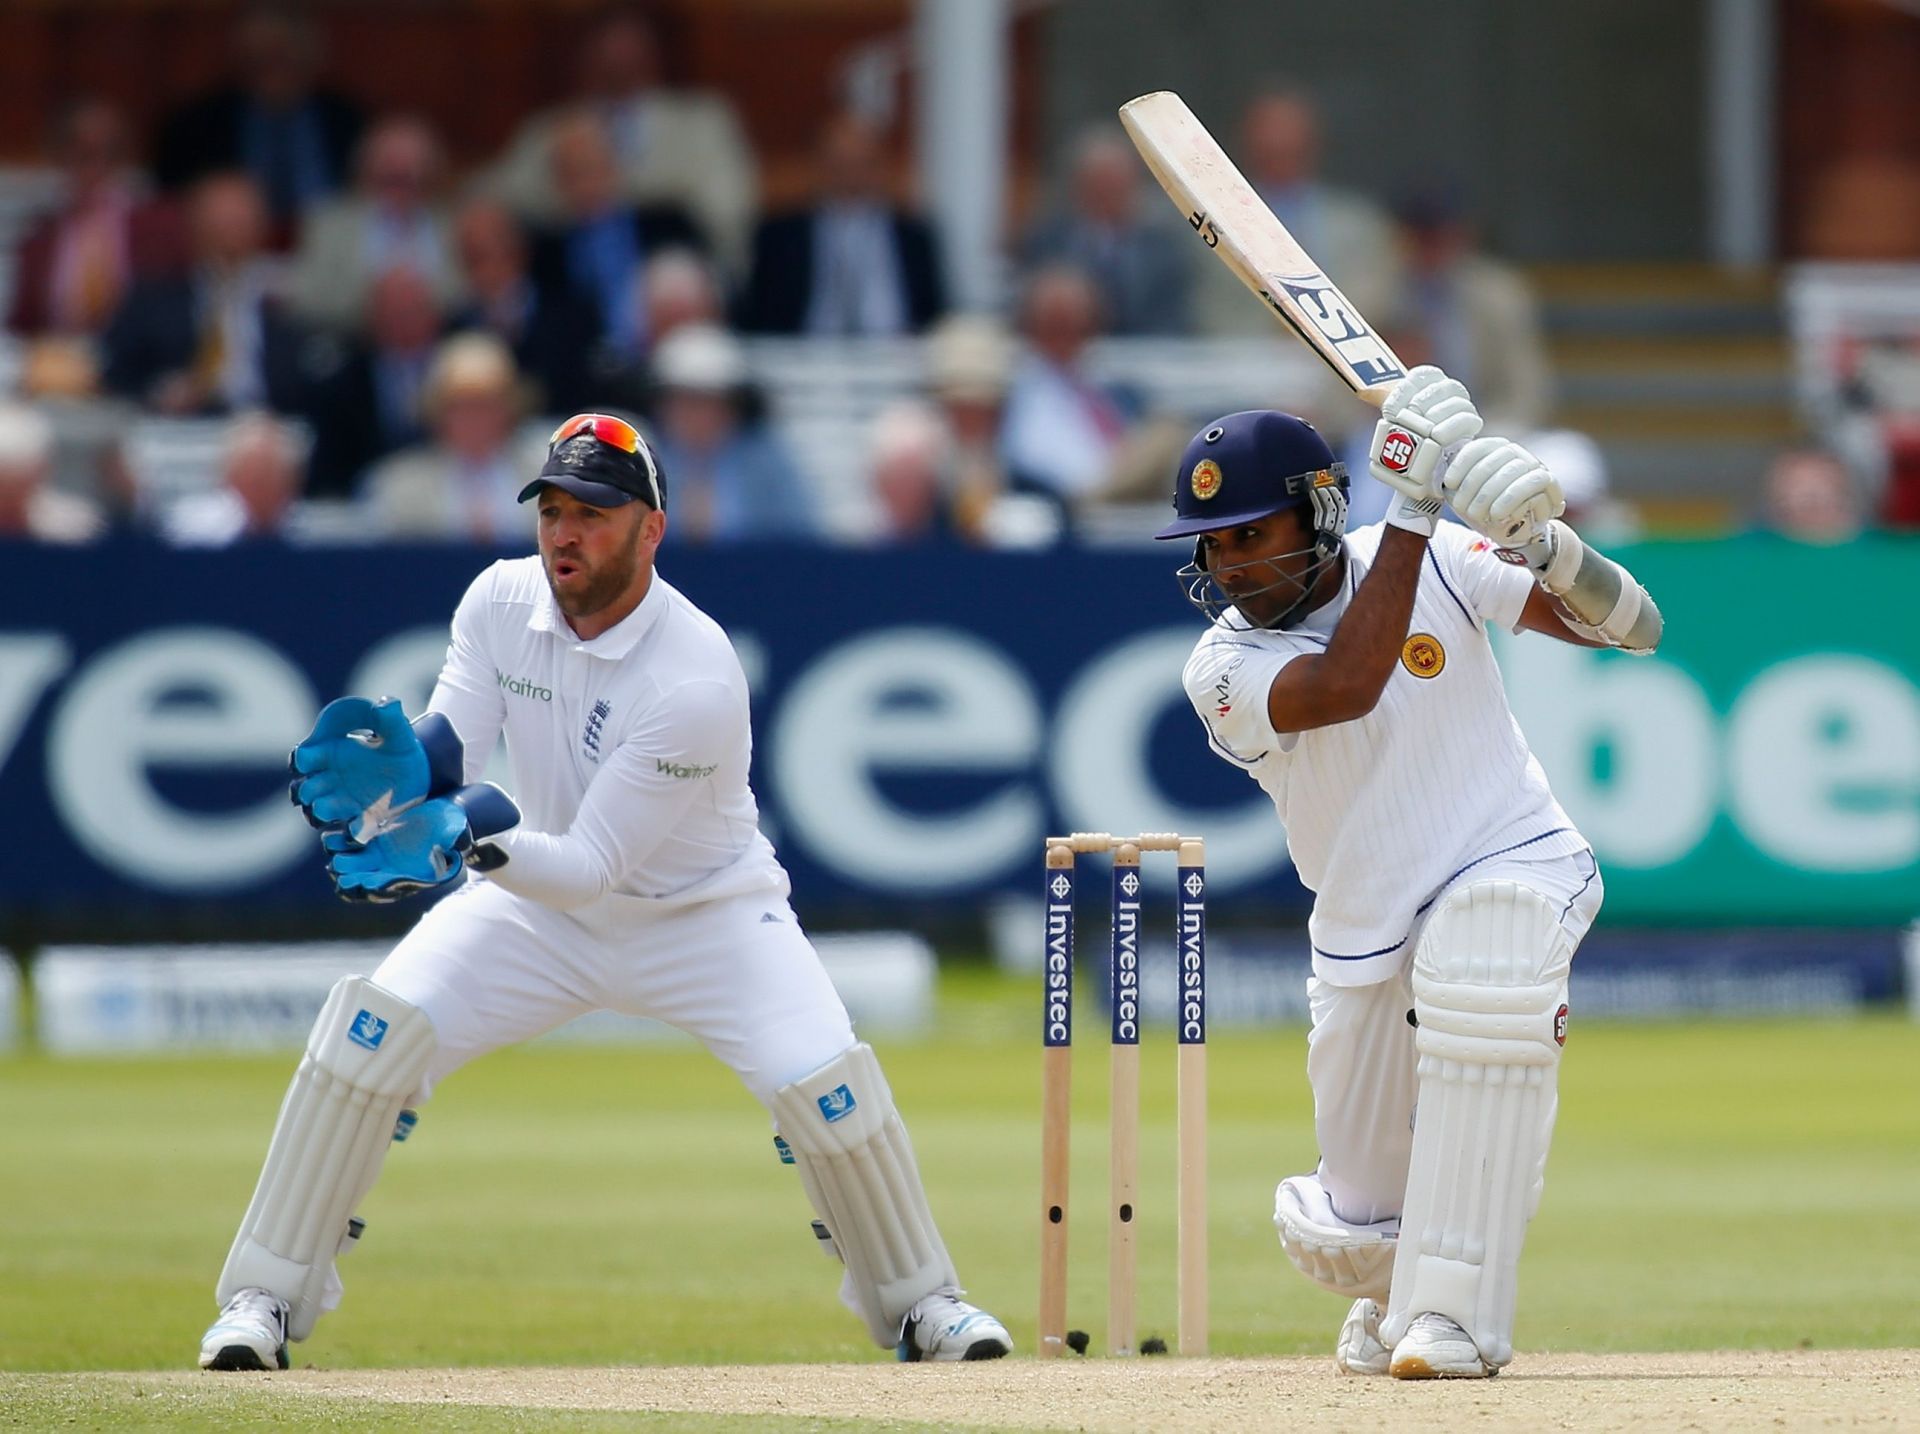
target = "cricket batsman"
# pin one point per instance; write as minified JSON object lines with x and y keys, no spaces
{"x":1351,"y":676}
{"x":626,"y":873}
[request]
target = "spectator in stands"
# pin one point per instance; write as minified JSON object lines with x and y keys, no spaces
{"x":909,"y":463}
{"x":270,"y":120}
{"x":262,"y":471}
{"x":464,"y":482}
{"x":603,"y":241}
{"x":214,"y":339}
{"x":677,"y":288}
{"x":730,"y":477}
{"x":552,"y":333}
{"x":969,"y":363}
{"x":673,"y":147}
{"x":371,"y":404}
{"x":1346,"y":232}
{"x":680,"y":288}
{"x":1138,"y":257}
{"x":853,"y":263}
{"x":1810,"y":497}
{"x":1062,"y":428}
{"x":392,"y":219}
{"x":30,"y":508}
{"x":1478,"y":315}
{"x":77,"y":263}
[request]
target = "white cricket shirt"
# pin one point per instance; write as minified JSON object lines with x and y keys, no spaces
{"x":1384,"y":811}
{"x":629,"y":752}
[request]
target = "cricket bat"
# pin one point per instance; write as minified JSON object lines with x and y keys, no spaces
{"x":1234,"y":222}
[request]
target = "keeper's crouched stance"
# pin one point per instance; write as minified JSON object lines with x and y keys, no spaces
{"x":630,"y":876}
{"x":1351,"y":675}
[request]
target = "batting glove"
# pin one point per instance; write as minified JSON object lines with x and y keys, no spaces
{"x":1503,"y":492}
{"x":424,"y":847}
{"x":364,"y":762}
{"x":1424,"y":419}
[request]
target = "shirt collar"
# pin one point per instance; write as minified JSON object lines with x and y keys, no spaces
{"x":617,"y":641}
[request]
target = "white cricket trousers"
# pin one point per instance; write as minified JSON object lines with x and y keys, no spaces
{"x":491,"y":969}
{"x":1360,"y":1052}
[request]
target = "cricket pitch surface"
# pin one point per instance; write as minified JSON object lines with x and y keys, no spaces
{"x":1799,"y":1389}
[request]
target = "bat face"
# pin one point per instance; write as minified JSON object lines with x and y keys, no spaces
{"x":1232,"y":220}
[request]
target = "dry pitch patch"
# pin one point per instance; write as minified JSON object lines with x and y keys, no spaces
{"x":1804,"y":1389}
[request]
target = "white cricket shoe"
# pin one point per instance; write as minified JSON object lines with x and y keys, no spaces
{"x":1360,"y":1350}
{"x":251,"y":1333}
{"x":945,"y":1327}
{"x":1434,"y":1347}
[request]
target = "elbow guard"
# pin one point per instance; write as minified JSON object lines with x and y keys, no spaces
{"x":1608,"y":602}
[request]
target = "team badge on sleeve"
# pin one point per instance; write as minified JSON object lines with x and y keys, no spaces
{"x":1423,"y":655}
{"x":1206,"y":478}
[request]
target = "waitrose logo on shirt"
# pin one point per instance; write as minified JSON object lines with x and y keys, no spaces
{"x":521,"y":687}
{"x":681,"y":771}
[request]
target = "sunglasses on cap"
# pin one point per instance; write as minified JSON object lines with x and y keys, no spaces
{"x":626,"y":469}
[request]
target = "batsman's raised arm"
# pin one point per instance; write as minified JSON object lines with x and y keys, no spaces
{"x":1507,"y":495}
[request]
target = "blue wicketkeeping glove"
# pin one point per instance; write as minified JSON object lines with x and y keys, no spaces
{"x":424,"y":846}
{"x":364,"y":762}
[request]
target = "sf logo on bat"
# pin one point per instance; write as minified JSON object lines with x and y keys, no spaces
{"x":1203,"y":226}
{"x":1329,"y":312}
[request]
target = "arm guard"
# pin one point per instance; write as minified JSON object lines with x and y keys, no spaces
{"x":1605,"y":601}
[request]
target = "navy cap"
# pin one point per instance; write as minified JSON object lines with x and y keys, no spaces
{"x":601,"y":460}
{"x":1246,"y":466}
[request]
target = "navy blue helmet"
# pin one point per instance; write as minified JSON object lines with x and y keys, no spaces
{"x":1248,"y":466}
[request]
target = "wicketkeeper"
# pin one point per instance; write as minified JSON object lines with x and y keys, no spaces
{"x":1351,"y":676}
{"x":627,"y":873}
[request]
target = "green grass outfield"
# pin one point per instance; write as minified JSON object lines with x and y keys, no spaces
{"x":1712,"y":1186}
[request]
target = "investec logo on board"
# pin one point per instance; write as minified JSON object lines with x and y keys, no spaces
{"x":1126,"y":956}
{"x":1335,"y":317}
{"x":1193,"y":956}
{"x":1059,"y":1022}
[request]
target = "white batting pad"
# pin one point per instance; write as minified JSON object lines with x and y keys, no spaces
{"x":365,"y":1057}
{"x":1489,"y":992}
{"x":1348,"y":1259}
{"x":857,"y":1165}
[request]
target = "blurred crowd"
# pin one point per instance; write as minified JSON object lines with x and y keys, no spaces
{"x":379,"y":346}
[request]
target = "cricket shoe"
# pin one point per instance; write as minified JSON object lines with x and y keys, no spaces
{"x":1360,"y":1350}
{"x":945,"y":1327}
{"x":1434,"y":1347}
{"x":251,"y":1333}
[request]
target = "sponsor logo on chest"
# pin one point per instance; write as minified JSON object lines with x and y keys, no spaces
{"x":522,"y":686}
